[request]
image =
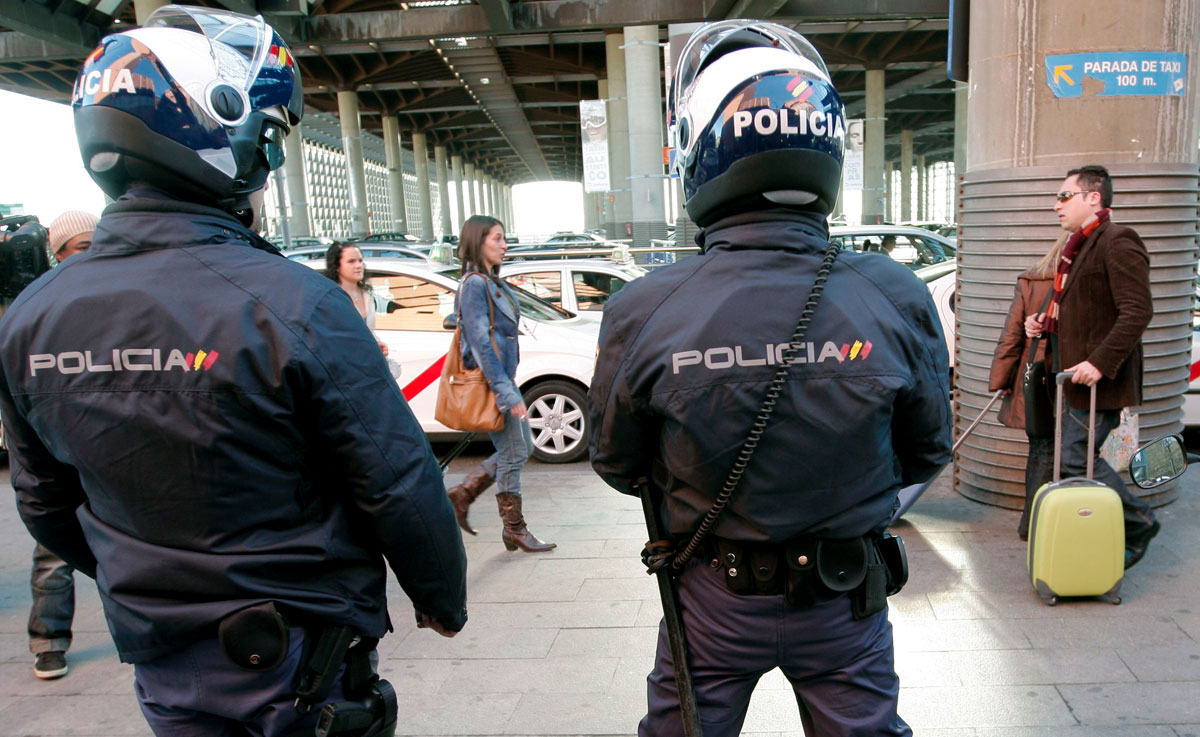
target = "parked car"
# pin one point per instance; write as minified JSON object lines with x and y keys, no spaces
{"x":300,"y":241}
{"x":577,"y":285}
{"x":574,"y":245}
{"x":915,"y":247}
{"x":369,"y":250}
{"x":558,"y":352}
{"x":390,"y":237}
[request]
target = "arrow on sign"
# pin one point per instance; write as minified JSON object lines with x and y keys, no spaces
{"x":1061,"y":71}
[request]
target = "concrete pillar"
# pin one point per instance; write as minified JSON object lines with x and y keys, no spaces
{"x":643,"y":68}
{"x":469,"y":183}
{"x":510,"y":209}
{"x":356,"y":175}
{"x":873,"y":130}
{"x":889,"y":196}
{"x":421,"y":159}
{"x":456,"y":183}
{"x":922,"y":189}
{"x":439,"y":162}
{"x":621,"y":210}
{"x":143,"y":8}
{"x":395,"y":165}
{"x":906,"y":175}
{"x":491,"y":196}
{"x":1023,"y":139}
{"x":297,"y":187}
{"x":960,"y":141}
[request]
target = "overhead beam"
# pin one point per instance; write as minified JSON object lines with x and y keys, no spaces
{"x":466,"y":21}
{"x":58,"y":29}
{"x":755,"y":8}
{"x":499,"y":14}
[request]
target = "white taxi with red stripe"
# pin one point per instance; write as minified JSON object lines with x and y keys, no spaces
{"x":558,"y":353}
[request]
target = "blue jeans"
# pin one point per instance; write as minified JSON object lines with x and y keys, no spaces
{"x":52,"y":583}
{"x":197,"y":692}
{"x":1138,"y":516}
{"x":514,"y":445}
{"x":841,"y":669}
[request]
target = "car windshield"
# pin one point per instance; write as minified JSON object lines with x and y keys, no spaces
{"x":530,"y":306}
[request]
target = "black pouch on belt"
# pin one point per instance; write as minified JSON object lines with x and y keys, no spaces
{"x":801,"y":585}
{"x":871,"y":596}
{"x":891,"y":549}
{"x":254,"y":638}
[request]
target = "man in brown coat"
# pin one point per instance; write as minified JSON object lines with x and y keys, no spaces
{"x":1100,"y":308}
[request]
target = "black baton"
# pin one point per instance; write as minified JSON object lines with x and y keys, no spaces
{"x":688,"y":711}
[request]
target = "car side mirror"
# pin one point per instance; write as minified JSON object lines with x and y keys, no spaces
{"x":1158,"y":462}
{"x":450,"y":322}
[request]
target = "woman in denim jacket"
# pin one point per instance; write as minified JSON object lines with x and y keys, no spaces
{"x":481,"y":294}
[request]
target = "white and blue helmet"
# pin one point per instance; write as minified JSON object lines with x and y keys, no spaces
{"x":197,"y":102}
{"x":756,"y":121}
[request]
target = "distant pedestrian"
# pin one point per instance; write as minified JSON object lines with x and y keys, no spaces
{"x":52,"y":582}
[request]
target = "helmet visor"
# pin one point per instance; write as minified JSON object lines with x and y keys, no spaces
{"x":244,"y":41}
{"x":696,"y":51}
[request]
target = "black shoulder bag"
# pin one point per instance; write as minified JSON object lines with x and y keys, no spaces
{"x":1039,"y":399}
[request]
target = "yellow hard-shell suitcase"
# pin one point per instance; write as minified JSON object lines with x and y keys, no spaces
{"x":1076,"y":529}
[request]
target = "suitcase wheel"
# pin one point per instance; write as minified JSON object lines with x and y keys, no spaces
{"x":1115,"y":600}
{"x":1050,"y":600}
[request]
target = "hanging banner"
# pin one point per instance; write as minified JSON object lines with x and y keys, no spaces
{"x":852,"y":164}
{"x":593,"y":118}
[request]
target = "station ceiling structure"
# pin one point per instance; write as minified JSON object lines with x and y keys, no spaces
{"x":499,"y":81}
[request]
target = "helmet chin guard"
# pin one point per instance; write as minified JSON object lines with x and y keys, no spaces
{"x":756,"y":122}
{"x":196,"y":103}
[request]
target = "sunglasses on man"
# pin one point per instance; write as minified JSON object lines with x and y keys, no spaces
{"x":1064,"y":196}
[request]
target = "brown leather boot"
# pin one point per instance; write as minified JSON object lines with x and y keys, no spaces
{"x":516,"y":534}
{"x":468,"y":491}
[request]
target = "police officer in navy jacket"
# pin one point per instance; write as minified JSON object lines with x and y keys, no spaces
{"x":206,"y":428}
{"x":686,"y":356}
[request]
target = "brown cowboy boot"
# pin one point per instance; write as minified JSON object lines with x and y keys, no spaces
{"x":468,"y":491}
{"x":516,"y":534}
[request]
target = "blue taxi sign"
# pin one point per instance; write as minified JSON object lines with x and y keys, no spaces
{"x":1156,"y":73}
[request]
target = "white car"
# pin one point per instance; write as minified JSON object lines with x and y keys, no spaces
{"x":577,"y":285}
{"x":558,"y":353}
{"x":941,"y":288}
{"x":914,"y":247}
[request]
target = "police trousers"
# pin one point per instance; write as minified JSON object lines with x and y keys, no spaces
{"x":841,"y":669}
{"x":197,"y":692}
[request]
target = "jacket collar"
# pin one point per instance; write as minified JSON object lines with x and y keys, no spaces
{"x":1086,"y":253}
{"x":499,"y":292}
{"x":146,"y":219}
{"x":777,"y":229}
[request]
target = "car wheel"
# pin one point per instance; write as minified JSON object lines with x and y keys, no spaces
{"x":558,"y":420}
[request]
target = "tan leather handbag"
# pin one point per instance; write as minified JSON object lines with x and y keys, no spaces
{"x":465,"y":401}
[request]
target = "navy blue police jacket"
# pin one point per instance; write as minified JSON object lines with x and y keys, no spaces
{"x":686,"y":356}
{"x":202,"y":425}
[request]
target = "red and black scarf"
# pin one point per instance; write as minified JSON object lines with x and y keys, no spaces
{"x":1070,"y":251}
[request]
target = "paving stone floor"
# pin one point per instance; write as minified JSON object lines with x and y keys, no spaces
{"x":560,"y":643}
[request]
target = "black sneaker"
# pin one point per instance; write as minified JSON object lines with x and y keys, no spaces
{"x":51,"y":665}
{"x":1136,"y":548}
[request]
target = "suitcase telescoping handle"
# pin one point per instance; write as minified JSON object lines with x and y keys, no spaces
{"x":1061,"y":378}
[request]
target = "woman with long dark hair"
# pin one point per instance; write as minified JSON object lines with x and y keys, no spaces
{"x":489,"y":315}
{"x":1033,"y":286}
{"x":344,"y":265}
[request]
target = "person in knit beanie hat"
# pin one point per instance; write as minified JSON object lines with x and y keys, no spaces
{"x":71,"y":233}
